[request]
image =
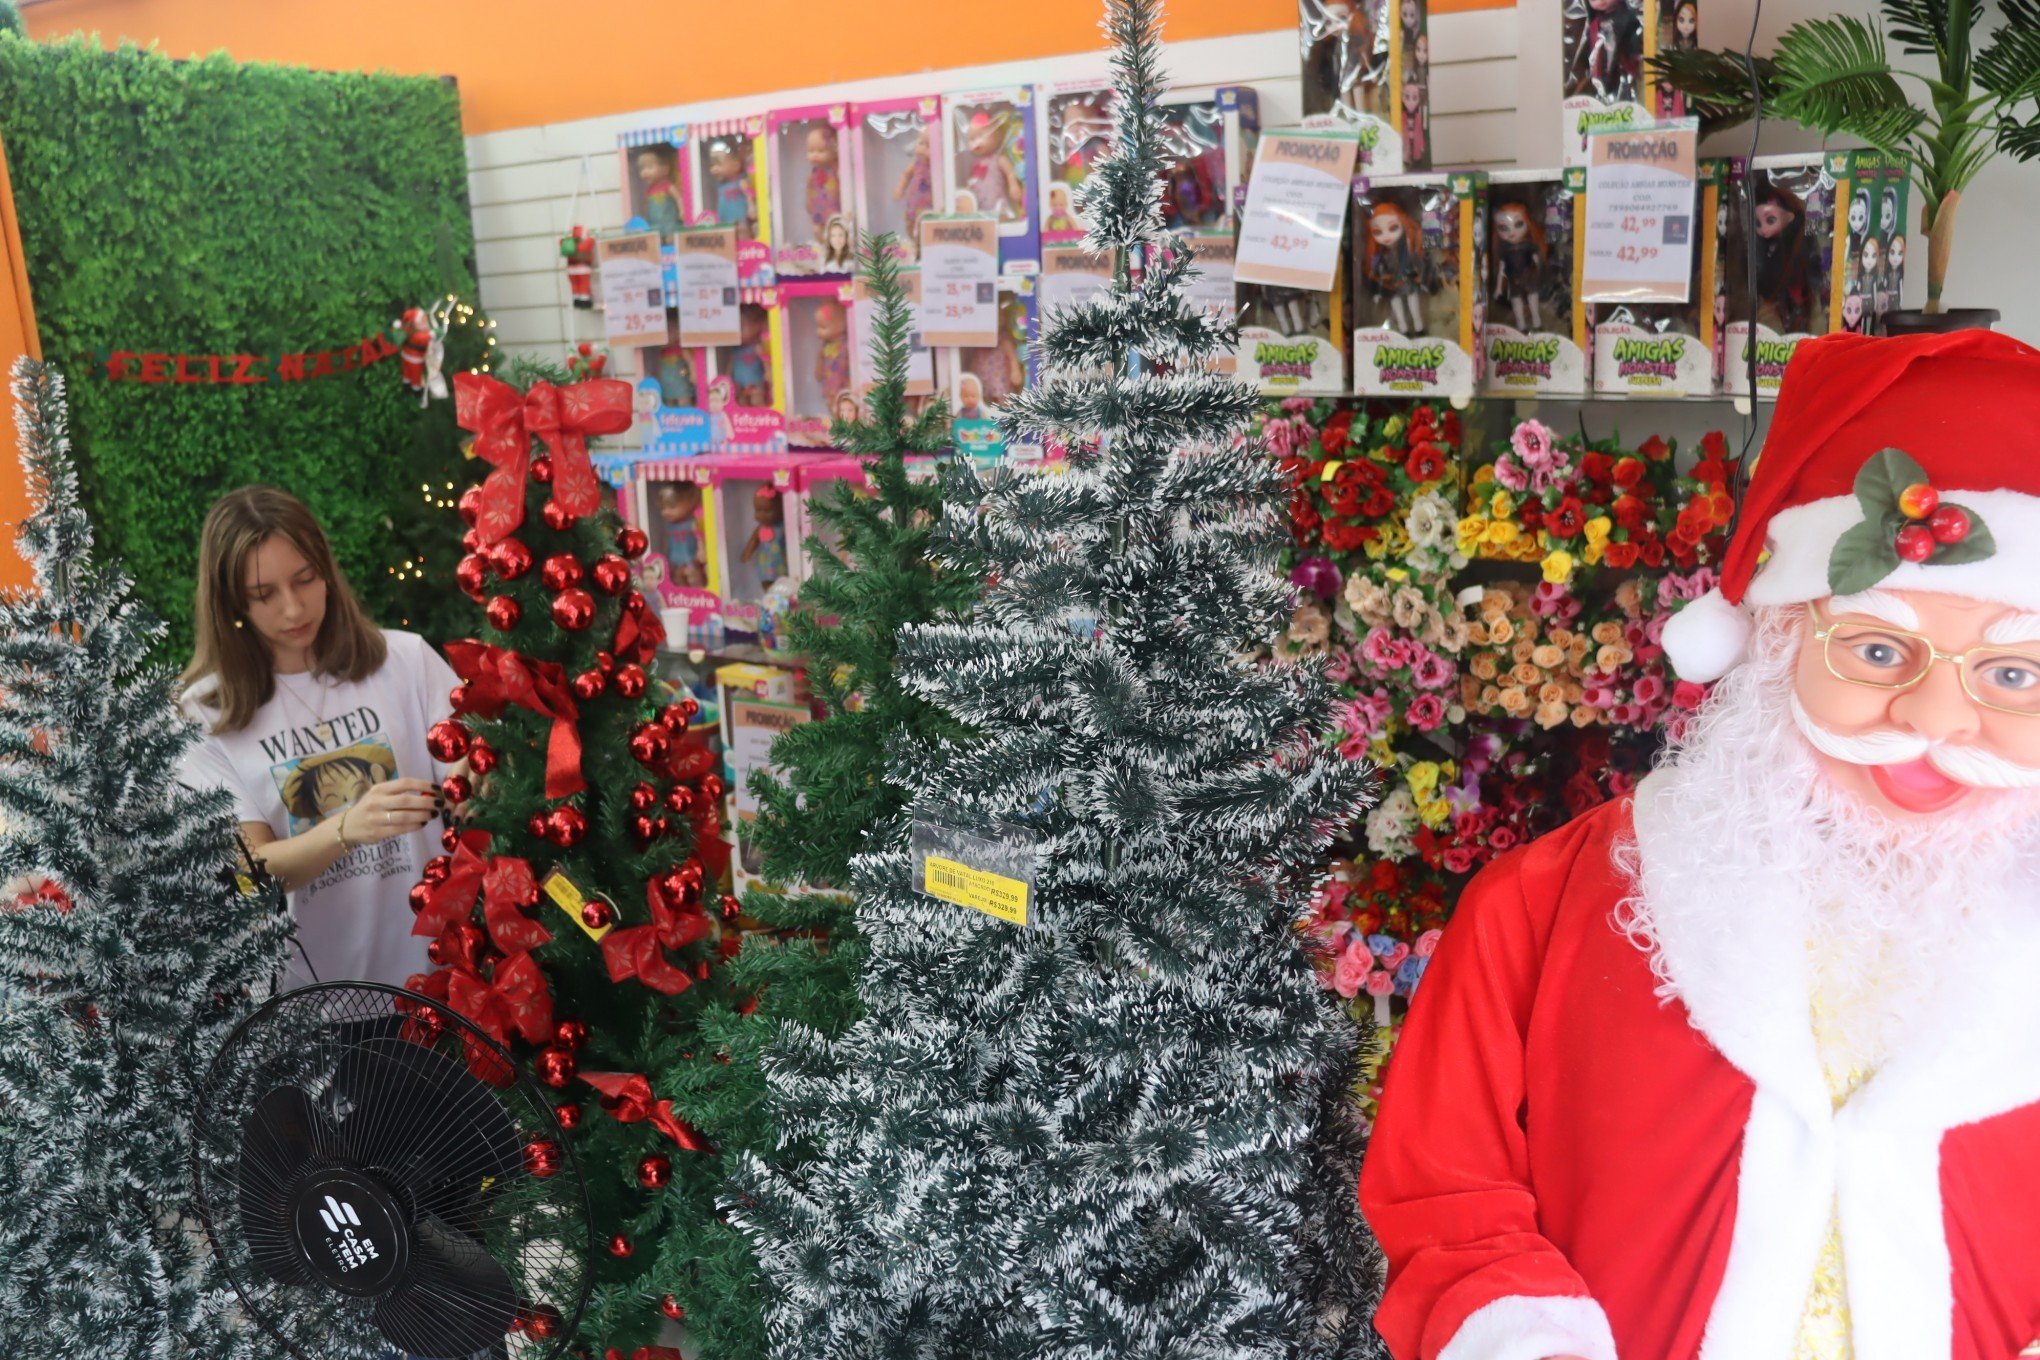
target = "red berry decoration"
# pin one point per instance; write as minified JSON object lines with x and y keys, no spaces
{"x":511,"y":558}
{"x":481,"y":757}
{"x":654,"y":1172}
{"x":565,"y":826}
{"x":570,"y":1034}
{"x":611,"y":575}
{"x":670,"y":1306}
{"x":537,"y":826}
{"x":556,"y":517}
{"x":542,"y":1157}
{"x":631,"y":542}
{"x":589,"y":685}
{"x":676,"y":886}
{"x":631,"y":681}
{"x":731,"y":907}
{"x":643,"y":797}
{"x":542,"y":470}
{"x":712,"y":787}
{"x":643,"y":829}
{"x":456,"y":789}
{"x":449,"y":839}
{"x":447,"y":740}
{"x":503,"y":613}
{"x":472,"y":575}
{"x":471,"y":540}
{"x":437,"y":868}
{"x":596,"y":915}
{"x":680,"y":800}
{"x":573,"y":610}
{"x":556,"y":1067}
{"x":561,"y":571}
{"x":605,"y":662}
{"x":620,"y":1246}
{"x":545,"y":1322}
{"x":569,"y":1116}
{"x":470,"y":506}
{"x":420,"y":898}
{"x":1949,"y":524}
{"x":1915,"y":543}
{"x":650,"y":743}
{"x":1918,"y":501}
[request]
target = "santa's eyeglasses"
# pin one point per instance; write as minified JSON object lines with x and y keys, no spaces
{"x":1882,"y":657}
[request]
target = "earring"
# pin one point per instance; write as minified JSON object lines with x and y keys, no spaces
{"x":239,"y":625}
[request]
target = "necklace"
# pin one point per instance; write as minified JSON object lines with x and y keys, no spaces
{"x":322,"y":727}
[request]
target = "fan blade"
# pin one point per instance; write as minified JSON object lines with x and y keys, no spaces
{"x":423,"y":1118}
{"x":455,"y":1299}
{"x":277,"y":1139}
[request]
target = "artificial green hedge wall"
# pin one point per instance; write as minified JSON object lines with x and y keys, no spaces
{"x":209,"y":206}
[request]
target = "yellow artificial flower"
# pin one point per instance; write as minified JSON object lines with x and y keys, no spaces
{"x":1598,"y":529}
{"x":1502,"y":531}
{"x":1376,"y":548}
{"x":1394,"y":540}
{"x":1392,"y":427}
{"x":1483,"y":474}
{"x":1501,"y":506}
{"x":1396,"y":574}
{"x":1470,"y":533}
{"x":1594,"y":552}
{"x":1433,"y":811}
{"x":1423,"y":779}
{"x":1558,"y":567}
{"x":1379,"y":752}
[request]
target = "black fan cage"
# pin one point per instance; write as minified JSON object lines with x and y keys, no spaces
{"x":377,"y":1176}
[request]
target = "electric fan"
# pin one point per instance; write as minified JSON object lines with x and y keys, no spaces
{"x":374,"y":1172}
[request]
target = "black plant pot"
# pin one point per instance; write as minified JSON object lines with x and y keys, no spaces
{"x":1940,"y":323}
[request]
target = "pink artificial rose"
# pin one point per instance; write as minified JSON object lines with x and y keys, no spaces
{"x":1509,"y":473}
{"x":1532,"y":443}
{"x":1425,"y":712}
{"x":1547,"y":599}
{"x":1458,"y":860}
{"x":1504,"y":837}
{"x":1648,"y":689}
{"x":1626,"y":715}
{"x":1298,"y":406}
{"x":1654,"y":631}
{"x":1687,"y":695}
{"x":1394,"y":957}
{"x":1339,"y":666}
{"x":1430,"y":670}
{"x":1384,"y":651}
{"x":1597,"y":694}
{"x":1380,"y":983}
{"x":1352,"y":969}
{"x":1620,"y":785}
{"x":1427,"y":943}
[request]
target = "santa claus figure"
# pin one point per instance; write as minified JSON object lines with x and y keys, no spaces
{"x":1747,"y":1067}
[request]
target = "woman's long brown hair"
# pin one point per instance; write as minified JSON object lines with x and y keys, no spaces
{"x":349,"y":646}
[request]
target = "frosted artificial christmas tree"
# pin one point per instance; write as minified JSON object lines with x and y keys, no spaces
{"x":128,"y":952}
{"x":1088,"y":1129}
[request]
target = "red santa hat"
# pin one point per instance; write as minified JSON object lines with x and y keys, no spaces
{"x":1908,"y":463}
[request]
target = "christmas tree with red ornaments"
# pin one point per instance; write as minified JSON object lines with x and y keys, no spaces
{"x":576,"y":916}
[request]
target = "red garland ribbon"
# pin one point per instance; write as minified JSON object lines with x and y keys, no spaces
{"x":638,"y":635}
{"x":516,"y":998}
{"x":507,"y":882}
{"x":628,"y":1098}
{"x":496,"y":676}
{"x":505,"y":421}
{"x":635,"y":952}
{"x":455,"y":894}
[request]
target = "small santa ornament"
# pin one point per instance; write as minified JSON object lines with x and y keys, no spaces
{"x":421,"y":353}
{"x":577,"y":247}
{"x":1747,"y":1066}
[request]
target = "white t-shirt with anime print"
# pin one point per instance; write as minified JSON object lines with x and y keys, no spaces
{"x":314,"y":749}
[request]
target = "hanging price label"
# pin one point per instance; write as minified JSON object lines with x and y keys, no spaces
{"x":1212,"y":288}
{"x":1642,"y":186}
{"x":992,"y":873}
{"x":1296,"y":209}
{"x":633,"y":289}
{"x":960,"y":280}
{"x":706,"y":265}
{"x":1070,"y":273}
{"x":920,"y":359}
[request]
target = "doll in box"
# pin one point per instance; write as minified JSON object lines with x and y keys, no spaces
{"x":1516,"y":255}
{"x":1062,"y":214}
{"x":838,"y":257}
{"x":1685,"y":30}
{"x":970,"y":397}
{"x":832,"y":361}
{"x":1392,"y":265}
{"x":750,"y":363}
{"x":1605,"y":50}
{"x":678,"y":505}
{"x":1192,"y":192}
{"x":1001,"y":368}
{"x":676,"y":378}
{"x":993,"y":176}
{"x":1415,"y":145}
{"x":1853,"y":319}
{"x":766,"y":547}
{"x":729,"y":170}
{"x":1788,"y":261}
{"x":915,"y":192}
{"x":658,"y":172}
{"x":824,"y":197}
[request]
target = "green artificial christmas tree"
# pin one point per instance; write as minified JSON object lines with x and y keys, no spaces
{"x":872,"y":576}
{"x":1087,"y":1126}
{"x":128,"y":952}
{"x":575,"y":916}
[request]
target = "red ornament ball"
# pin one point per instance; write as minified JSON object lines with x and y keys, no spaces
{"x":680,"y":800}
{"x":570,"y":1034}
{"x":481,"y":757}
{"x":421,"y":898}
{"x":650,"y":743}
{"x":680,"y":713}
{"x":447,"y":740}
{"x":561,"y":571}
{"x":457,"y":697}
{"x":588,"y":685}
{"x":620,"y":1246}
{"x":556,"y":517}
{"x":565,"y":826}
{"x":470,"y":506}
{"x":471,"y":540}
{"x":541,"y":1157}
{"x":1948,"y":524}
{"x":542,"y":470}
{"x":1915,"y":542}
{"x":634,"y":602}
{"x":556,"y":1067}
{"x":631,"y":542}
{"x":712,"y":787}
{"x":611,"y":575}
{"x":605,"y":662}
{"x":545,"y":1322}
{"x":437,"y":868}
{"x":569,"y":1116}
{"x":643,"y":829}
{"x":449,"y":839}
{"x":731,"y":907}
{"x":472,"y":575}
{"x":537,"y":826}
{"x":503,"y":612}
{"x":676,"y":886}
{"x":643,"y":797}
{"x":573,"y":610}
{"x":456,"y":789}
{"x":670,"y":1306}
{"x":596,"y":915}
{"x":655,"y":1172}
{"x":631,"y":681}
{"x":511,"y":558}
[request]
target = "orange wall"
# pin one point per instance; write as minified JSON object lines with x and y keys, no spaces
{"x":522,"y":62}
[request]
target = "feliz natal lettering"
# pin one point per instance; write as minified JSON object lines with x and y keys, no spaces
{"x":239,"y":370}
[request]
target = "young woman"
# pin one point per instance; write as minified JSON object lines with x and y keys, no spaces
{"x":315,"y":722}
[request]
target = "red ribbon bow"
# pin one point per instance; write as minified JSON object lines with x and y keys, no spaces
{"x":638,"y":636}
{"x":505,"y":421}
{"x":496,"y":676}
{"x":504,"y":881}
{"x":635,"y":952}
{"x":516,"y":998}
{"x":628,"y":1098}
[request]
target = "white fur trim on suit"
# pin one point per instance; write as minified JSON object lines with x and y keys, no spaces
{"x":1878,"y":1160}
{"x":1528,"y":1327}
{"x":1800,"y":540}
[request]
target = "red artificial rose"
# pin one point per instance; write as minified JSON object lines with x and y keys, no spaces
{"x":1567,"y":520}
{"x":1337,"y":432}
{"x":1654,"y":449}
{"x":1451,"y":428}
{"x":1426,"y":464}
{"x":1630,"y":512}
{"x":1382,"y":876}
{"x":1721,"y":506}
{"x":1530,"y":515}
{"x":1714,"y":444}
{"x":1621,"y":556}
{"x":1343,"y":497}
{"x":1710,"y":472}
{"x":1340,"y":537}
{"x":1597,"y":468}
{"x":1458,"y":861}
{"x":1653,"y":553}
{"x":1628,"y":472}
{"x":1379,"y":503}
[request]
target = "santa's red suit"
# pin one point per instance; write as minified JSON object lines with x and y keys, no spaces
{"x":1607,"y":1129}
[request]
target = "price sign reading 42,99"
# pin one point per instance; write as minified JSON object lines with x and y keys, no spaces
{"x":1642,"y":188}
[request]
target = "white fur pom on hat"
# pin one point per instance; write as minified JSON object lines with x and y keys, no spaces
{"x":1706,"y":640}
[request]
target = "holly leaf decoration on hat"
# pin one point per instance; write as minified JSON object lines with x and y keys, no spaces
{"x":1904,"y":520}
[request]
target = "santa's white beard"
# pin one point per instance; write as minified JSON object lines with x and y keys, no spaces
{"x":1768,"y":848}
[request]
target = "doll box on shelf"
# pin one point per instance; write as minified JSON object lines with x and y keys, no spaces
{"x":1416,"y":284}
{"x":1208,"y":145}
{"x":1668,"y":349}
{"x":744,"y":407}
{"x":757,"y":703}
{"x":1605,"y":48}
{"x":814,"y":227}
{"x":657,"y":179}
{"x":981,"y":379}
{"x":1367,"y":63}
{"x":1072,"y":129}
{"x":815,"y":478}
{"x":731,"y":189}
{"x":992,"y":167}
{"x":897,"y":164}
{"x":817,"y":358}
{"x":1535,"y":341}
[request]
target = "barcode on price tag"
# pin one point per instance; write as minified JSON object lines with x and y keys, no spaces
{"x":1296,"y":209}
{"x":706,"y":265}
{"x":1642,"y":189}
{"x":633,"y":289}
{"x":991,"y":873}
{"x":960,"y":280}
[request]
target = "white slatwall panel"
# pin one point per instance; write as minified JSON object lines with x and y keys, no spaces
{"x":523,"y":181}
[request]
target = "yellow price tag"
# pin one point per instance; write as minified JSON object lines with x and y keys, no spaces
{"x":980,"y":889}
{"x":570,"y":900}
